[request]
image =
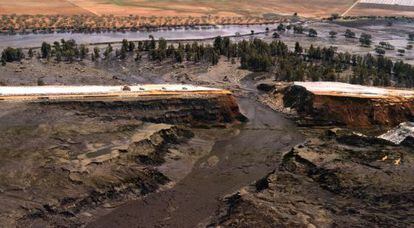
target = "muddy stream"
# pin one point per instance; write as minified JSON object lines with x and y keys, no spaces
{"x":234,"y":162}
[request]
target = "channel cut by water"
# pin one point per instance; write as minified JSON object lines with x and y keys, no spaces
{"x":242,"y":159}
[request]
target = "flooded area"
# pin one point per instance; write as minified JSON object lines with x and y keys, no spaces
{"x":35,"y":40}
{"x":395,"y":33}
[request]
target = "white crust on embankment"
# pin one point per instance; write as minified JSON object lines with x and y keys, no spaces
{"x":344,"y":89}
{"x":85,"y":90}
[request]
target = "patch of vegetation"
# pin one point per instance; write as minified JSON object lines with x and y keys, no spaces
{"x":299,"y":64}
{"x":11,"y":54}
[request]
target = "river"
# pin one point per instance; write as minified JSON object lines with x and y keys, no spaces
{"x":35,"y":40}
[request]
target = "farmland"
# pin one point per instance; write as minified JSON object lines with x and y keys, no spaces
{"x":311,"y":8}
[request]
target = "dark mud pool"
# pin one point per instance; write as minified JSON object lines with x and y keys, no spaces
{"x":233,"y":162}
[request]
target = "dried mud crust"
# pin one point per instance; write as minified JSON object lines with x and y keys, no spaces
{"x":328,"y":182}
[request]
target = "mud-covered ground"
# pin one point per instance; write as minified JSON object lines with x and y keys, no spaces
{"x":63,"y":167}
{"x":67,"y":167}
{"x":335,"y":178}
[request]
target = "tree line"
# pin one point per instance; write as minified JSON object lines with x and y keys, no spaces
{"x":296,"y":64}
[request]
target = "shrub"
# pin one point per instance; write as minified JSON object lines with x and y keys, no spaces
{"x":12,"y":54}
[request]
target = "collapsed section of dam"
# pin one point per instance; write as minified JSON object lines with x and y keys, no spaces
{"x":351,"y":105}
{"x":166,"y":103}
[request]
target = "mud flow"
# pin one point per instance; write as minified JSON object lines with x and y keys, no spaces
{"x":236,"y":161}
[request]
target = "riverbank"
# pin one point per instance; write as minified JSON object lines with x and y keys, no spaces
{"x":25,"y":24}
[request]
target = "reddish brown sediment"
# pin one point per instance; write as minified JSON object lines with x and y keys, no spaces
{"x":364,"y":108}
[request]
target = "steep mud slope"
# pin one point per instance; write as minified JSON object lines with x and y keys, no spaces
{"x":193,"y":109}
{"x":329,"y":181}
{"x":352,"y":105}
{"x":161,"y":103}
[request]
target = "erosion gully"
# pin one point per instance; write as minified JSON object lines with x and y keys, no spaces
{"x":234,"y":162}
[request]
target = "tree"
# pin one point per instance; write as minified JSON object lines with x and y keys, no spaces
{"x":411,"y":36}
{"x":170,"y":50}
{"x":312,"y":33}
{"x":298,"y":29}
{"x":125,"y":45}
{"x":141,"y":46}
{"x":108,"y":51}
{"x":152,"y":43}
{"x":58,"y":55}
{"x":46,"y":50}
{"x":122,"y":53}
{"x":401,"y":52}
{"x":276,"y":35}
{"x":335,"y":16}
{"x":162,"y":44}
{"x":281,"y":27}
{"x":131,"y":46}
{"x":12,"y":54}
{"x":386,"y":45}
{"x":96,"y":52}
{"x":30,"y":53}
{"x":365,"y":40}
{"x":179,"y":55}
{"x":218,"y":43}
{"x":298,"y":48}
{"x":379,"y":51}
{"x":332,"y":34}
{"x":349,"y":34}
{"x":83,"y":51}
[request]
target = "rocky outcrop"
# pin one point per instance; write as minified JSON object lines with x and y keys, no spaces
{"x":352,"y":105}
{"x":326,"y":183}
{"x":401,"y":135}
